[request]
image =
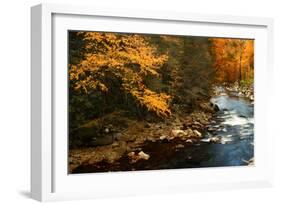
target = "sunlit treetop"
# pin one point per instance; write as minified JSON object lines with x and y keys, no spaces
{"x":128,"y":58}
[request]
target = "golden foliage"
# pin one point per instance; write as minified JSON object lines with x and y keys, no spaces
{"x":234,"y":59}
{"x":128,"y":58}
{"x":154,"y":102}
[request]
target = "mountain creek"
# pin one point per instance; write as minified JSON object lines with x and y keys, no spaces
{"x":204,"y":139}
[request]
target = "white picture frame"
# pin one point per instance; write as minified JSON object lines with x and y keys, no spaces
{"x":49,"y":178}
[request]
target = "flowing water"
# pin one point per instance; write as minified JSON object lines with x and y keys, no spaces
{"x":233,"y":127}
{"x":228,"y":141}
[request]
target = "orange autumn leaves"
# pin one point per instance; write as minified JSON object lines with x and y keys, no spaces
{"x":128,"y":58}
{"x":234,"y":59}
{"x":107,"y":61}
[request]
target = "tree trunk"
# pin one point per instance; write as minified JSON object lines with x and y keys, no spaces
{"x":240,"y":68}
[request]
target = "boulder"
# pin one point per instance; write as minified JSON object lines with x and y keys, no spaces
{"x":178,"y":133}
{"x":151,"y":139}
{"x":163,"y":137}
{"x":135,"y":157}
{"x":197,"y":133}
{"x":189,"y":141}
{"x":143,"y":155}
{"x":215,"y":140}
{"x":216,"y":108}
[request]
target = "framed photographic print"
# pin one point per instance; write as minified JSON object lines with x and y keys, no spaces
{"x":137,"y":102}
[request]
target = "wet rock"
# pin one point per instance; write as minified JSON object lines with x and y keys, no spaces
{"x":136,"y":157}
{"x":197,"y":123}
{"x":179,"y":146}
{"x":131,"y":154}
{"x":143,"y":155}
{"x":215,"y":140}
{"x":197,"y":133}
{"x":169,"y":138}
{"x":189,"y":141}
{"x":250,"y":161}
{"x":163,"y":137}
{"x":151,"y":139}
{"x":216,"y":108}
{"x":115,"y":144}
{"x":189,"y":132}
{"x":178,"y":133}
{"x":243,"y":116}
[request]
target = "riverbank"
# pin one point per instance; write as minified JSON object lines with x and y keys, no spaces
{"x":218,"y":133}
{"x":132,"y":143}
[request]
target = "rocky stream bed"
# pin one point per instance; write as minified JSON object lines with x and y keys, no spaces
{"x":221,"y":133}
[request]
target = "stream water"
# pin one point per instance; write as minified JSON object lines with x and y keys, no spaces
{"x":233,"y":127}
{"x":228,"y":141}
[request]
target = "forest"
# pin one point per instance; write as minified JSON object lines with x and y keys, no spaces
{"x":143,"y":101}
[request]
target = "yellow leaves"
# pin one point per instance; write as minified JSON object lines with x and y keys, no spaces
{"x":157,"y":103}
{"x":126,"y":57}
{"x":119,"y":50}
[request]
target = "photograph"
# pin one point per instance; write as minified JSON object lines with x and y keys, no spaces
{"x":139,"y":102}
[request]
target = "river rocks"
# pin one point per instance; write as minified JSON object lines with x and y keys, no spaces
{"x":163,"y":137}
{"x":196,"y":125}
{"x":215,"y":107}
{"x":250,"y":162}
{"x":179,"y":146}
{"x":215,"y":140}
{"x":135,"y":157}
{"x":115,"y":144}
{"x":197,"y":133}
{"x":179,"y":130}
{"x":251,"y":97}
{"x":189,"y":141}
{"x":211,"y":129}
{"x":167,"y":137}
{"x":143,"y":155}
{"x":178,"y":133}
{"x":151,"y":139}
{"x":246,"y":91}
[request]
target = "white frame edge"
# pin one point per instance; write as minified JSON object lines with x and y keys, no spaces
{"x":41,"y":77}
